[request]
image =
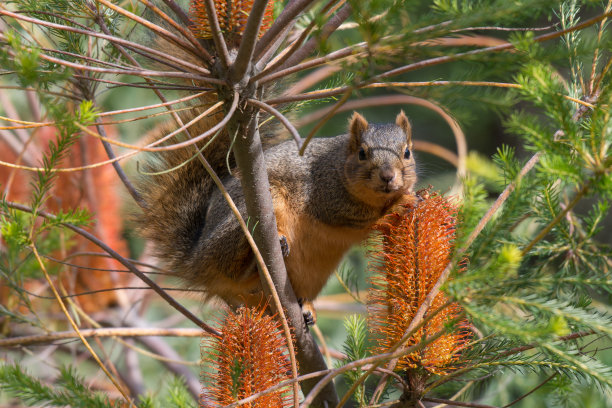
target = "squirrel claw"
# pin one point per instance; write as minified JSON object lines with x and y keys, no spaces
{"x":308,"y":311}
{"x":284,"y":246}
{"x":308,"y":318}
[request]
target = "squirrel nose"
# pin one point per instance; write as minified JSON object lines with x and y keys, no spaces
{"x":387,"y":175}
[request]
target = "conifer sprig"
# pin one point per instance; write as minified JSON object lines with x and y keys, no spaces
{"x":536,"y":263}
{"x":69,"y":390}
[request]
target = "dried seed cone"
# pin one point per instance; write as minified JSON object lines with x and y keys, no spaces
{"x":415,"y":247}
{"x":232,"y":16}
{"x":248,"y":357}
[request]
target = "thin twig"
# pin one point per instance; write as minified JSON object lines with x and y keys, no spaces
{"x":163,"y":33}
{"x":283,"y":22}
{"x":108,"y":37}
{"x":104,"y":332}
{"x":271,"y":75}
{"x":289,"y":51}
{"x":141,"y":72}
{"x":531,"y":391}
{"x":500,"y":201}
{"x":217,"y":34}
{"x":290,"y":97}
{"x":493,"y":28}
{"x":457,"y":403}
{"x":294,"y":132}
{"x":150,"y":147}
{"x":449,"y":58}
{"x":120,"y":173}
{"x":328,"y":115}
{"x":146,"y":107}
{"x":73,"y":323}
{"x":278,"y":386}
{"x":186,"y":32}
{"x":436,"y":150}
{"x":326,"y":31}
{"x":42,"y":91}
{"x":180,"y":13}
{"x":158,"y":346}
{"x":125,"y":262}
{"x":151,"y":115}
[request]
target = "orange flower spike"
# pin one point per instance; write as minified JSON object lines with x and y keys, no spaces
{"x":248,"y":357}
{"x":416,"y":247}
{"x":232,"y":16}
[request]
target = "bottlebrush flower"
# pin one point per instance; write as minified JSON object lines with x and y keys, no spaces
{"x":232,"y":16}
{"x":248,"y":357}
{"x":415,"y":248}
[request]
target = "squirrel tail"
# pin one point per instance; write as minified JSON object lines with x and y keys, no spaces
{"x":175,"y":186}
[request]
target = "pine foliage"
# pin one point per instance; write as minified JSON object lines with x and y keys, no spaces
{"x":529,"y":284}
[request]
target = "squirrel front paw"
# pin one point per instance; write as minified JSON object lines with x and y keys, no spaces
{"x":284,"y":246}
{"x":308,"y":311}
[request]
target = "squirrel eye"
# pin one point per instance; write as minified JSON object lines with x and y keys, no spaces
{"x":407,"y":153}
{"x":362,"y":154}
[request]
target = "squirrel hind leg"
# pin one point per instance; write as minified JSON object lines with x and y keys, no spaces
{"x":308,"y":311}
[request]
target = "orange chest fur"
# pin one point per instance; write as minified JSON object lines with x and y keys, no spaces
{"x":316,"y":248}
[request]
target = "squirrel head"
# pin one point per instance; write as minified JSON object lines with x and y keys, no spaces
{"x":380,"y":167}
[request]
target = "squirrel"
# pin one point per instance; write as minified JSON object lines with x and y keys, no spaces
{"x":324,"y":201}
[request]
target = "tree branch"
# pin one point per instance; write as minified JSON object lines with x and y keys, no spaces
{"x":282,"y":23}
{"x":247,"y":44}
{"x":187,"y":33}
{"x":249,"y":157}
{"x":163,"y":33}
{"x":180,"y":13}
{"x":104,"y":332}
{"x":457,"y":403}
{"x":509,"y":46}
{"x":122,"y":176}
{"x":326,"y":31}
{"x":108,"y":37}
{"x":281,"y":118}
{"x":217,"y":35}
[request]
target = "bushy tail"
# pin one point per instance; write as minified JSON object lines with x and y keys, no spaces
{"x":175,"y":187}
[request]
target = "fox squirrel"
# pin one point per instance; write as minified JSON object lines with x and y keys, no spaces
{"x":325,"y":201}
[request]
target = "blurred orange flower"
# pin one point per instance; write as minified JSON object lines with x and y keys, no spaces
{"x":248,"y":357}
{"x":415,"y":248}
{"x":232,"y":16}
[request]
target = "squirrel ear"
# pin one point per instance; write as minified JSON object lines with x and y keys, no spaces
{"x":402,"y":121}
{"x":357,"y":127}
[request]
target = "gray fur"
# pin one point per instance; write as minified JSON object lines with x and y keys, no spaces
{"x":195,"y":232}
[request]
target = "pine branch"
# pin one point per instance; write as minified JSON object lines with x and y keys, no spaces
{"x":32,"y":391}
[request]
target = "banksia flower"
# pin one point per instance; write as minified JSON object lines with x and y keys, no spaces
{"x":249,"y":356}
{"x":232,"y":16}
{"x":416,"y":247}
